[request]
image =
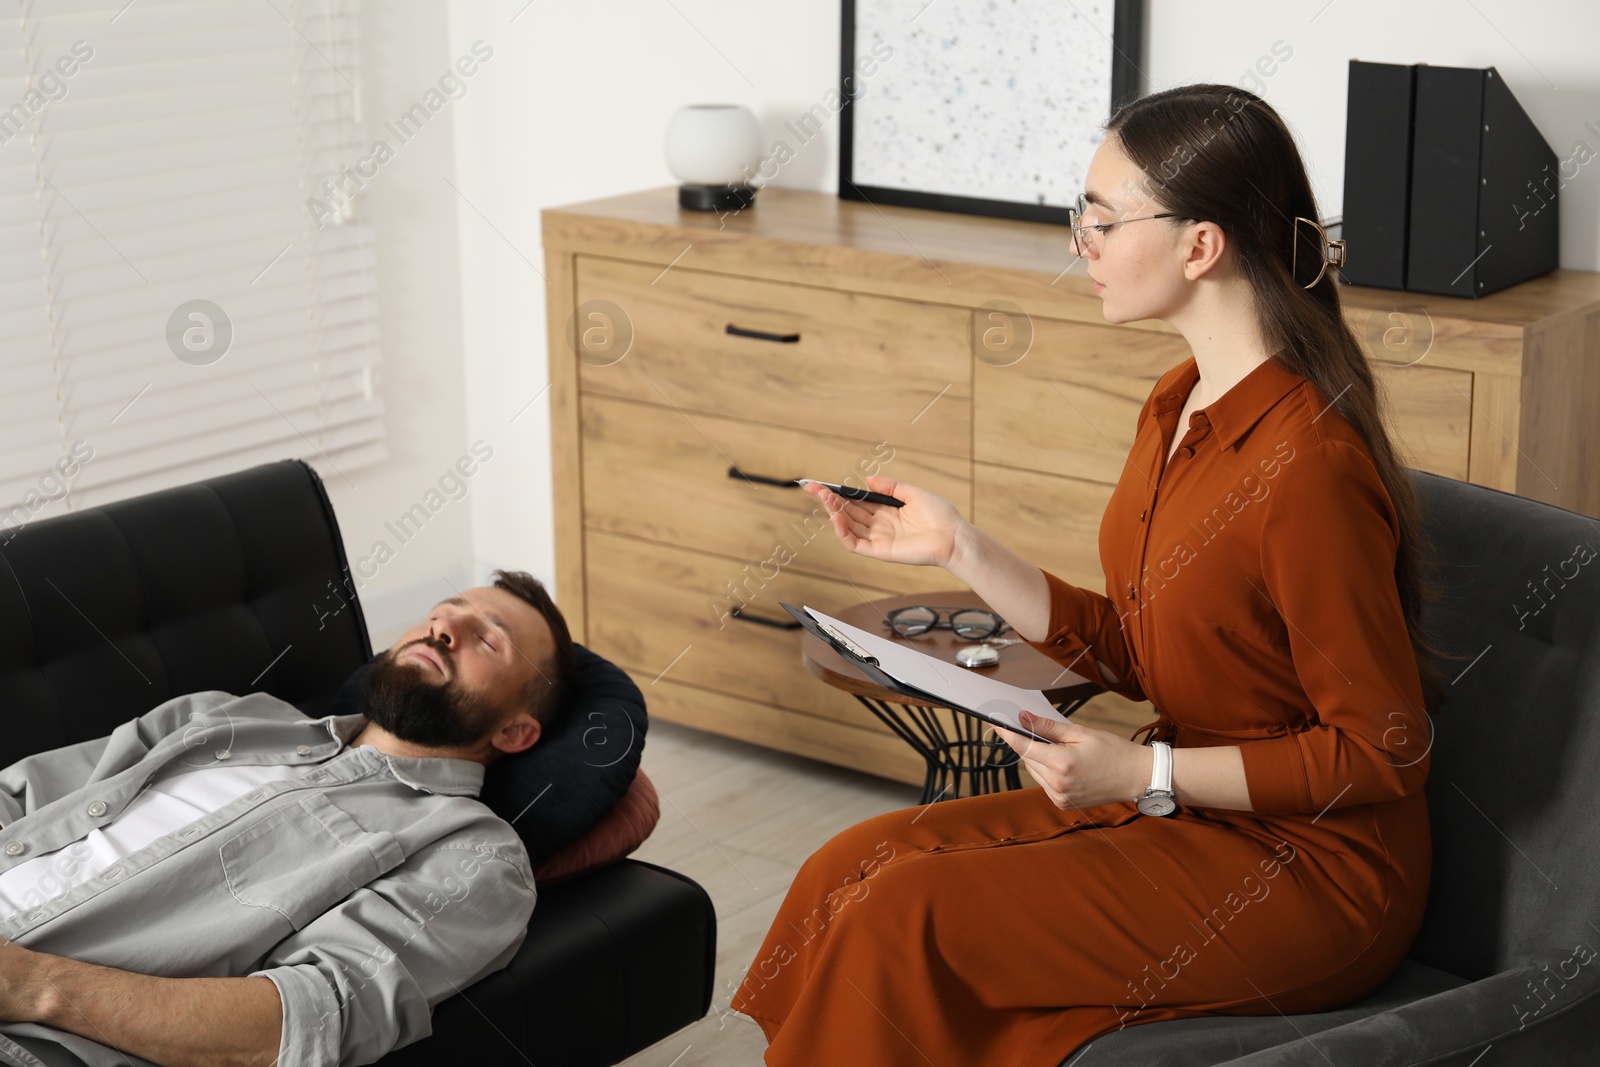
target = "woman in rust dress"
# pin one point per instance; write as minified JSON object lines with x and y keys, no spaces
{"x":1263,"y":591}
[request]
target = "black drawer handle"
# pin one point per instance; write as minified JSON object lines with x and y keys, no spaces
{"x":781,"y":483}
{"x":763,"y":335}
{"x":776,"y":624}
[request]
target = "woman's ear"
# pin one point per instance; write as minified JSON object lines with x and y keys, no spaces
{"x":1203,"y":248}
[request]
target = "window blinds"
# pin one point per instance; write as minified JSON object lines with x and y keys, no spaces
{"x":153,"y":155}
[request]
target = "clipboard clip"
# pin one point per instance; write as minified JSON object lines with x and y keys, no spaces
{"x":845,"y":643}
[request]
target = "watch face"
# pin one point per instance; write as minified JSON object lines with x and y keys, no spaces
{"x":1157,"y":804}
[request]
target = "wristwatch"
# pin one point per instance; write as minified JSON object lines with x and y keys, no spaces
{"x":1159,"y":798}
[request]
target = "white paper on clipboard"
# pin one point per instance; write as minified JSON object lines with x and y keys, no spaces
{"x":960,"y":686}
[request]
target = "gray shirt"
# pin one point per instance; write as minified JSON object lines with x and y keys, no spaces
{"x":367,"y":890}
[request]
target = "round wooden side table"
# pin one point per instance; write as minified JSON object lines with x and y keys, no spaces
{"x":960,"y":761}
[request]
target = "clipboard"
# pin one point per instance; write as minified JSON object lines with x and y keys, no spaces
{"x":868,"y":664}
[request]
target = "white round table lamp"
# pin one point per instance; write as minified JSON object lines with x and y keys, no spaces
{"x":713,"y":150}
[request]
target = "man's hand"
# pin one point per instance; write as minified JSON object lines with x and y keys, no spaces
{"x":178,"y":1022}
{"x":1086,"y":767}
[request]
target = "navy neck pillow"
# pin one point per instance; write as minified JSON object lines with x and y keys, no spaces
{"x":556,"y":791}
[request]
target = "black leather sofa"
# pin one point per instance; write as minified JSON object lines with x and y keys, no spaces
{"x":1505,"y":969}
{"x":224,"y":584}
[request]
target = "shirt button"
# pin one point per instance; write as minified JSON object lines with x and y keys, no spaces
{"x":1143,"y":513}
{"x":303,"y":750}
{"x":222,"y":753}
{"x":98,"y":808}
{"x":1188,"y":450}
{"x":15,"y":848}
{"x":1133,"y":594}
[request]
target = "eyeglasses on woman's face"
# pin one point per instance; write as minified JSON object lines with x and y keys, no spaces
{"x":1081,"y":230}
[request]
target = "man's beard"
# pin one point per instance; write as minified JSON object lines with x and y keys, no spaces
{"x":398,"y":697}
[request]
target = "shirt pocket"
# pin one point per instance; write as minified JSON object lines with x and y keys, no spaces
{"x":304,"y":857}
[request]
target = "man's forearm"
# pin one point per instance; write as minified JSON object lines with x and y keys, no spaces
{"x":176,"y":1022}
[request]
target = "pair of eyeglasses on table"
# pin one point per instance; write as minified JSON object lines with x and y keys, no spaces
{"x":970,"y":624}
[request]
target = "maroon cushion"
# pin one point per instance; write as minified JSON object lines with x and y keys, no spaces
{"x":618,"y":833}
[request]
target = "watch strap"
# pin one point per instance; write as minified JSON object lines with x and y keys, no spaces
{"x":1161,"y":773}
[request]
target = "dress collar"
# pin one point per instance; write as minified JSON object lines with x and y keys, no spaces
{"x":1233,"y":413}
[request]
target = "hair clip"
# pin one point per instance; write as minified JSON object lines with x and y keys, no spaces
{"x":1333,"y":252}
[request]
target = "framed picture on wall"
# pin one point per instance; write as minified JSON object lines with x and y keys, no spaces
{"x":981,"y":109}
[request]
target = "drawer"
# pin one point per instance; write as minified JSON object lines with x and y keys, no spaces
{"x":864,"y":367}
{"x":655,"y":473}
{"x":1430,"y":415}
{"x":662,"y":612}
{"x":1070,"y":405}
{"x":1050,"y":521}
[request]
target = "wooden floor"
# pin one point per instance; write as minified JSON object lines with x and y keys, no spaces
{"x":740,"y":820}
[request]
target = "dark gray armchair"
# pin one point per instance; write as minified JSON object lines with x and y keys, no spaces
{"x":1506,"y":969}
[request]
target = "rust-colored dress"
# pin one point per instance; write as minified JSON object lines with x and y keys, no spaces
{"x":1252,"y":600}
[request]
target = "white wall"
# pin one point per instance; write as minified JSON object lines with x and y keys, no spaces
{"x":573,"y":107}
{"x":575,"y":101}
{"x":423,"y":374}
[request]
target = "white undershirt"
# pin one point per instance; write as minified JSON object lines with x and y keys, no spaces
{"x":161,"y":809}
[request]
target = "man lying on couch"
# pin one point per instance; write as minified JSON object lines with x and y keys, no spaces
{"x":320,"y":883}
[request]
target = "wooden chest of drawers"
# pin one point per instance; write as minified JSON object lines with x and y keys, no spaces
{"x":698,"y":363}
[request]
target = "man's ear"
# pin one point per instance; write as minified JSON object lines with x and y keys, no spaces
{"x":517,"y":734}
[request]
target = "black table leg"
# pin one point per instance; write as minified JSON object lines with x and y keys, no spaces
{"x":961,"y":763}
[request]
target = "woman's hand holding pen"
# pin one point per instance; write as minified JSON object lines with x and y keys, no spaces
{"x":922,"y":533}
{"x":928,"y":531}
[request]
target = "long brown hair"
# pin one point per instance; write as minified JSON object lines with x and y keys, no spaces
{"x":1221,"y":154}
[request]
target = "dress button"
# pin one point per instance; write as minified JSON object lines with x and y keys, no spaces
{"x":1188,"y":450}
{"x":15,"y":848}
{"x":1143,"y":513}
{"x":98,"y":808}
{"x":1133,"y":594}
{"x":222,"y":753}
{"x":303,"y":750}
